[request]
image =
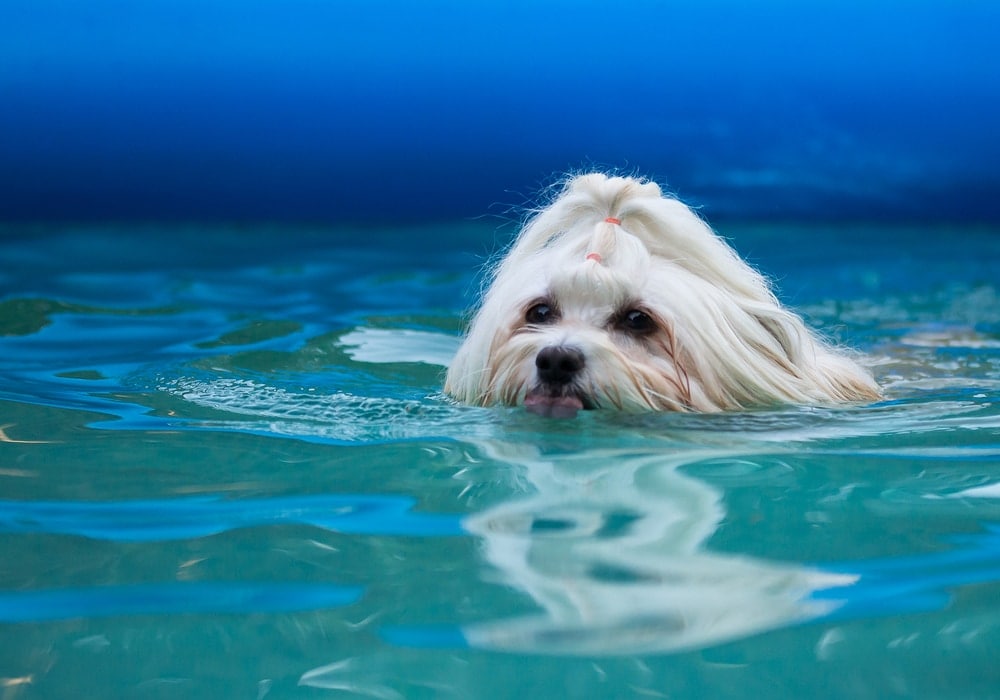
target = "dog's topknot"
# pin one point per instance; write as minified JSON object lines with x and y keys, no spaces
{"x":663,"y":224}
{"x":612,"y":192}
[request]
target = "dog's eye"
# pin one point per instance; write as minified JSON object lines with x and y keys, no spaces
{"x":540,"y":314}
{"x":636,"y":322}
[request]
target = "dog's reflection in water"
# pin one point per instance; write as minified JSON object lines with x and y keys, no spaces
{"x":612,"y":549}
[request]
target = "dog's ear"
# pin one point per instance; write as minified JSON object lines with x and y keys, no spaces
{"x":789,"y":333}
{"x":816,"y":364}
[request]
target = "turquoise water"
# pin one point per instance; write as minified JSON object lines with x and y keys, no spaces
{"x":226,"y":471}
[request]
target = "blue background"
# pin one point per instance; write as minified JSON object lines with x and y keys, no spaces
{"x":397,"y":111}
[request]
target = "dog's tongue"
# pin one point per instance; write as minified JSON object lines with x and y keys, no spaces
{"x":553,"y":406}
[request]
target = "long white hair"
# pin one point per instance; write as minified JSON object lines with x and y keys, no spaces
{"x":722,"y":340}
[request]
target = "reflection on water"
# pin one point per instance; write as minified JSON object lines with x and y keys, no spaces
{"x":609,"y":540}
{"x":612,"y":548}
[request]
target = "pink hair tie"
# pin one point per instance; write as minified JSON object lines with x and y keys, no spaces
{"x":593,"y":256}
{"x":613,"y":220}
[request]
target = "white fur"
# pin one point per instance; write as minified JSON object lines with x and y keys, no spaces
{"x":720,"y":339}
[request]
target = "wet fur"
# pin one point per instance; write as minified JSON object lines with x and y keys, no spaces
{"x":720,"y":339}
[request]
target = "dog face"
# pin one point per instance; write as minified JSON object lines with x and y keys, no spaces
{"x":585,"y":331}
{"x":618,"y":297}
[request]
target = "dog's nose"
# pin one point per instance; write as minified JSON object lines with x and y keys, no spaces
{"x":558,"y":364}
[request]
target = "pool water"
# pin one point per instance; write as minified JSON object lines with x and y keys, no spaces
{"x":227,"y":471}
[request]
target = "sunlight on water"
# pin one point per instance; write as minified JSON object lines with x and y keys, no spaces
{"x":239,"y":479}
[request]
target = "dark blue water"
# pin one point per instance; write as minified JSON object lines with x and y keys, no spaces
{"x":227,"y":470}
{"x":397,"y":111}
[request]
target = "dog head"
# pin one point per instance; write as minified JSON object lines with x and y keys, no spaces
{"x":616,"y":296}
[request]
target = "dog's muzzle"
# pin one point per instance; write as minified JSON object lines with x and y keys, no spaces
{"x":558,"y":367}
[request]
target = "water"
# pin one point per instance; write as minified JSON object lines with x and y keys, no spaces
{"x":226,"y":470}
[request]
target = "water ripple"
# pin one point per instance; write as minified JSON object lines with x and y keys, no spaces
{"x":201,"y":516}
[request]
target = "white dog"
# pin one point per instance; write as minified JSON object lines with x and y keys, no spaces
{"x":616,"y":296}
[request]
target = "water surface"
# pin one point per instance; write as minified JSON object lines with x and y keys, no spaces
{"x":227,"y":470}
